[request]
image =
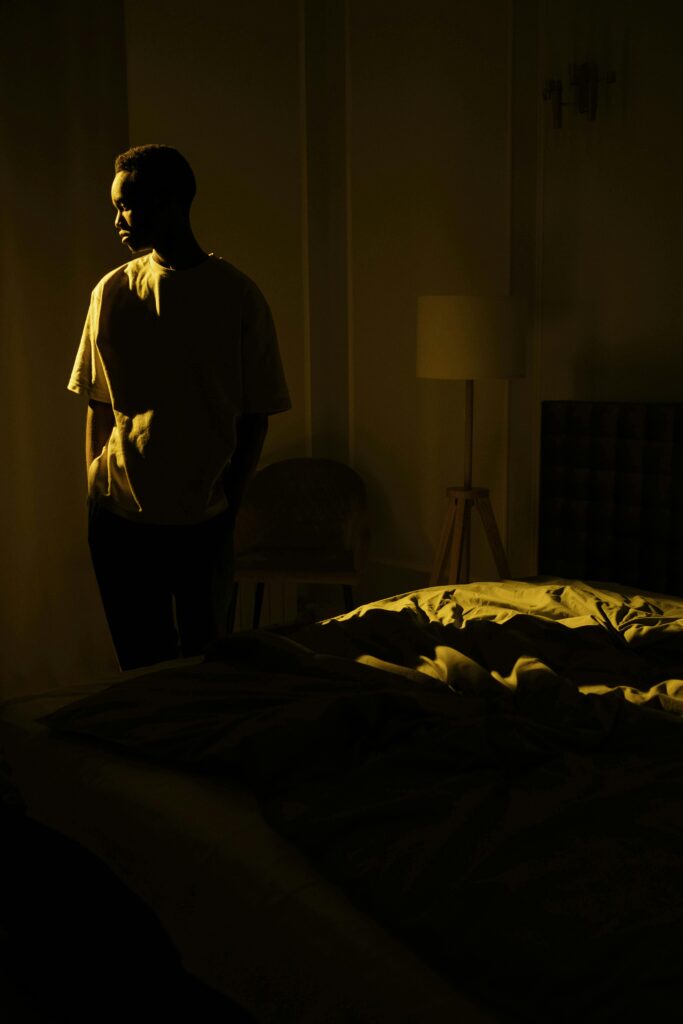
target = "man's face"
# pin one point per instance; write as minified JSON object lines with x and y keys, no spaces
{"x":137,"y":218}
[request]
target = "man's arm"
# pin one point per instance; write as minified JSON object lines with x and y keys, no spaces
{"x":251,"y":429}
{"x":98,"y":428}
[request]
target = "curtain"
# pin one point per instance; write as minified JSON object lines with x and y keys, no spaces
{"x":63,"y":118}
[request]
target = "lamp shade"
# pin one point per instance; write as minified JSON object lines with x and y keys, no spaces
{"x":466,"y":337}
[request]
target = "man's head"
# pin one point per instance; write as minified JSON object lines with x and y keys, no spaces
{"x":152,"y":192}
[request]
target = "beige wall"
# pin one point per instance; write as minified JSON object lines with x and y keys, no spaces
{"x":609,"y":312}
{"x":453,"y":168}
{"x":428,"y":157}
{"x":327,"y":225}
{"x":612,"y":305}
{"x":62,"y":116}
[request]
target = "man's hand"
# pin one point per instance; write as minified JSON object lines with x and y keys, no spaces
{"x":251,"y":429}
{"x":98,"y":428}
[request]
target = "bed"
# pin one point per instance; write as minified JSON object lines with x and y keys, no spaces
{"x":456,"y":804}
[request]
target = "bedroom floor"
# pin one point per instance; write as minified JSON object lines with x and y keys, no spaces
{"x":76,"y":946}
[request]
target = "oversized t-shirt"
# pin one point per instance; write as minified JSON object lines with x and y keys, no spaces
{"x":178,"y":354}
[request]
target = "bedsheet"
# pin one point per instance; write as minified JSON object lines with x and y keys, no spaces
{"x":494,"y":773}
{"x":625,"y":639}
{"x":248,"y":915}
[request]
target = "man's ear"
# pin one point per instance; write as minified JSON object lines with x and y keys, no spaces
{"x":169,"y":207}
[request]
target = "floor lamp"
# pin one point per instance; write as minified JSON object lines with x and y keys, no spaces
{"x":464,"y":337}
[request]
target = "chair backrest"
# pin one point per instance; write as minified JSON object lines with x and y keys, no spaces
{"x":305,"y":504}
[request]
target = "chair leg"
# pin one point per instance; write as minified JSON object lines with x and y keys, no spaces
{"x":232,"y":607}
{"x":348,"y":597}
{"x":258,"y":602}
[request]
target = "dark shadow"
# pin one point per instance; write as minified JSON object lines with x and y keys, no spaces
{"x":80,"y":946}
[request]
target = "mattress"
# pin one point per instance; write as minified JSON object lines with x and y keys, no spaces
{"x":248,"y":914}
{"x":472,"y":789}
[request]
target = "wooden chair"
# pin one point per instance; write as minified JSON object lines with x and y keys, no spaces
{"x":305,"y":521}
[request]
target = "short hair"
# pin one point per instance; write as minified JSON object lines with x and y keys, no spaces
{"x":159,"y":169}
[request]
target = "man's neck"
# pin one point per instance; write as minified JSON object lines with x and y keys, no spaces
{"x":179,"y":253}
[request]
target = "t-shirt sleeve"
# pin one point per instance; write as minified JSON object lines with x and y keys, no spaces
{"x":88,"y":376}
{"x":264,"y":388}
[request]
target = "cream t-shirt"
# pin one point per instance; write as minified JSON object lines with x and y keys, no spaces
{"x":178,"y":354}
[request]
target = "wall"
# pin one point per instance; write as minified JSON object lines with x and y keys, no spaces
{"x":610,"y":218}
{"x":613,"y":217}
{"x":429,"y":208}
{"x":456,"y":180}
{"x":63,"y":115}
{"x":326,"y":226}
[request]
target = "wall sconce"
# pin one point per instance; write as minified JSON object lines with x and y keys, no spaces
{"x":584,"y":81}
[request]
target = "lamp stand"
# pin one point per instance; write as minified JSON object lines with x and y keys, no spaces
{"x":453,"y":553}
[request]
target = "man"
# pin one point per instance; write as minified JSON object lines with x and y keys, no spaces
{"x":180,"y":363}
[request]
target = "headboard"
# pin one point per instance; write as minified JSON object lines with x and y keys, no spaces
{"x":611,"y":493}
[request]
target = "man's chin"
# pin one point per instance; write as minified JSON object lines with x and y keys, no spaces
{"x":135,"y":246}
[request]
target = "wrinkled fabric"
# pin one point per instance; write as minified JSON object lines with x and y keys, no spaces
{"x":625,"y":640}
{"x":488,"y":771}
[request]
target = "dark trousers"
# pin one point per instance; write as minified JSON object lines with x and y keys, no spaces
{"x":165,"y":589}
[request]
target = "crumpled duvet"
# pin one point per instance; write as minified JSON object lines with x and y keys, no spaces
{"x":625,"y":639}
{"x":492,"y":771}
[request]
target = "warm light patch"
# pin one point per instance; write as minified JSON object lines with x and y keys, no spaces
{"x":140,"y":427}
